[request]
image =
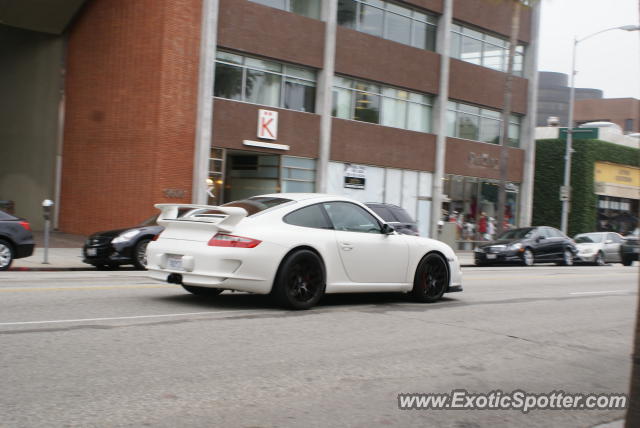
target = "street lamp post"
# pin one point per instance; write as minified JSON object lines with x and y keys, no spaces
{"x":566,"y":189}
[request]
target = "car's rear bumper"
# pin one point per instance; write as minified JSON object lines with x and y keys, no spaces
{"x":24,"y":249}
{"x":241,"y":269}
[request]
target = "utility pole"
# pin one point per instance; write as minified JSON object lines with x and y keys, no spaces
{"x":506,"y":115}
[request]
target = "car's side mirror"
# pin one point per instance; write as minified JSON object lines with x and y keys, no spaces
{"x":609,"y":241}
{"x":539,"y":238}
{"x":387,"y":230}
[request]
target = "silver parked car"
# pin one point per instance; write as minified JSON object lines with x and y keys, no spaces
{"x":599,"y":248}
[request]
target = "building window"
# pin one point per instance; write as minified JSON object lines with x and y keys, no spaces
{"x":298,"y":175}
{"x":480,"y":124}
{"x":472,"y":203}
{"x":390,"y":21}
{"x":484,"y":49}
{"x":268,"y":83}
{"x":384,"y":105}
{"x":308,"y":8}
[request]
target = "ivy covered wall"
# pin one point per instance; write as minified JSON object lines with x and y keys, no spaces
{"x":549,"y":175}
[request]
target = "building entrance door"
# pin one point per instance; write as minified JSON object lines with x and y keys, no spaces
{"x":249,"y":174}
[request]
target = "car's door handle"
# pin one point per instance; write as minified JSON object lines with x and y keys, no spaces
{"x":346,"y":246}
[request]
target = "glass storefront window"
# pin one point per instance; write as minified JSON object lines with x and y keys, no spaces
{"x":473,"y":206}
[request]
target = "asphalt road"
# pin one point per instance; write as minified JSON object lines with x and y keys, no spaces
{"x":116,"y":349}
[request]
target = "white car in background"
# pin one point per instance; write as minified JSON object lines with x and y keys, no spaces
{"x":296,"y":247}
{"x":599,"y":248}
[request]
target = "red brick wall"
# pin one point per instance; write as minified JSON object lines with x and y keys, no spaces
{"x":131,"y":98}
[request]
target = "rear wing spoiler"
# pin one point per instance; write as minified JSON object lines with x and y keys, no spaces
{"x":228,"y":218}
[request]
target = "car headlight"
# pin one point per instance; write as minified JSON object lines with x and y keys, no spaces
{"x":515,"y":247}
{"x":125,"y":237}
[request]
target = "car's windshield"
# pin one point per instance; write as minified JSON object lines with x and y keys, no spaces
{"x":589,"y":238}
{"x":256,"y":204}
{"x":526,"y":232}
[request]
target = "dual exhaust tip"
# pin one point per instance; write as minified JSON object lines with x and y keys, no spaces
{"x":174,"y":278}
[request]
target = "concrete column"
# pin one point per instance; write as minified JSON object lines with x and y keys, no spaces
{"x":528,"y":130}
{"x":204,"y":115}
{"x":440,"y":114}
{"x":324,"y":93}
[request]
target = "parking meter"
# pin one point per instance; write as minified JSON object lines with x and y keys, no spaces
{"x":47,"y":205}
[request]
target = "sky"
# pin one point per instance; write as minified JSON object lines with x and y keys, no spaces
{"x":609,"y":61}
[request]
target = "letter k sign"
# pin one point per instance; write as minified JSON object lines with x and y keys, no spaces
{"x":267,"y":124}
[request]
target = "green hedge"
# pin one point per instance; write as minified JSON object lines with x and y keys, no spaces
{"x":549,"y":176}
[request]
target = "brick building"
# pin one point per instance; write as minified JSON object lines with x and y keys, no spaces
{"x":149,"y":98}
{"x":624,"y":112}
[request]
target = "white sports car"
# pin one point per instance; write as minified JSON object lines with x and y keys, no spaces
{"x":297,"y":247}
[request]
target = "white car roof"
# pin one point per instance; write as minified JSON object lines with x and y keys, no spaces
{"x":305,"y":196}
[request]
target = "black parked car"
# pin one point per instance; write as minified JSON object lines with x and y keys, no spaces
{"x":630,"y":249}
{"x":16,"y":239}
{"x":395,"y":216}
{"x":528,"y":245}
{"x":113,"y":248}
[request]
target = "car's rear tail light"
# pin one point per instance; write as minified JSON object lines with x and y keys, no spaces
{"x":25,"y":224}
{"x":225,"y":240}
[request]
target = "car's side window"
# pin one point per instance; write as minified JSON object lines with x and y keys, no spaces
{"x":555,"y":233}
{"x":351,"y":218}
{"x":543,"y":232}
{"x":311,"y":216}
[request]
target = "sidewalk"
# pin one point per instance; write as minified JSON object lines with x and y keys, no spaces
{"x":65,"y":253}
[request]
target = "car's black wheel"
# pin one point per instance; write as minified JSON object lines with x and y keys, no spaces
{"x":202,"y":291}
{"x":527,"y":257}
{"x":567,"y":258}
{"x":627,"y":261}
{"x":6,"y":254}
{"x":140,"y":254}
{"x":107,"y":267}
{"x":599,"y":260}
{"x":431,"y":279}
{"x":300,"y":281}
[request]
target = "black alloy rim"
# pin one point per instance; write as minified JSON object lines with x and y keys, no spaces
{"x":434,"y":278}
{"x":304,"y":280}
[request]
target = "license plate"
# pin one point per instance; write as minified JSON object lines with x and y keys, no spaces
{"x":491,"y":256}
{"x":174,"y":262}
{"x":92,"y":251}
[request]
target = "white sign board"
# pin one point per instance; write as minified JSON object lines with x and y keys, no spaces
{"x":267,"y":124}
{"x":354,"y":176}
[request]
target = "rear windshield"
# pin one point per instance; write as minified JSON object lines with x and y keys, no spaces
{"x":5,"y":216}
{"x":383,"y":212}
{"x":402,"y":215}
{"x":517,"y":234}
{"x":257,"y":204}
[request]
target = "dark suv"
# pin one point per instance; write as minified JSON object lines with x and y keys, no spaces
{"x":16,"y":239}
{"x":395,"y":216}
